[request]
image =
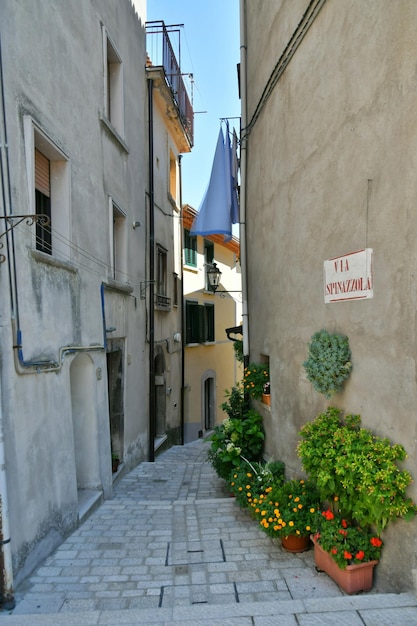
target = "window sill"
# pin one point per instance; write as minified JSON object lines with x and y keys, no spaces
{"x":191,"y":268}
{"x":114,"y":134}
{"x":173,"y":202}
{"x":48,"y":259}
{"x":114,"y":285}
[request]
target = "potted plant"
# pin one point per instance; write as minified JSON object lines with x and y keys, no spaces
{"x":266,"y":397}
{"x":255,"y":376}
{"x":346,"y":552}
{"x":356,"y":473}
{"x":289,"y":511}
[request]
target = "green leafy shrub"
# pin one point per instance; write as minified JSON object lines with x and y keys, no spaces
{"x":354,"y":470}
{"x":238,"y":348}
{"x":236,"y":436}
{"x":328,"y":364}
{"x":237,"y":404}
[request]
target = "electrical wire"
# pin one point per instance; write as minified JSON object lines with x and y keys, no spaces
{"x":99,"y":266}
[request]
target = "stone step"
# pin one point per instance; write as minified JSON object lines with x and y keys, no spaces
{"x":369,"y":609}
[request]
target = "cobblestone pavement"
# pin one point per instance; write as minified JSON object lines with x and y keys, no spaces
{"x":172,"y":547}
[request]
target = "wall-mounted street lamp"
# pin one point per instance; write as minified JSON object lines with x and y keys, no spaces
{"x":214,"y":275}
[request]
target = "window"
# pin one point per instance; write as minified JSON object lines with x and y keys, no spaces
{"x":199,"y":322}
{"x":48,"y":173}
{"x":43,"y":201}
{"x":162,"y":300}
{"x":176,"y":290}
{"x":113,"y":85}
{"x":208,"y":260}
{"x":190,"y":249}
{"x":118,"y":242}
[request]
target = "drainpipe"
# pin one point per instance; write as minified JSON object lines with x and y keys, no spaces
{"x":182,"y":305}
{"x":6,"y":566}
{"x":243,"y":157}
{"x":152,"y":407}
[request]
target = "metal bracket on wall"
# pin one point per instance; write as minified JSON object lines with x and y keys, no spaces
{"x":143,"y":285}
{"x":15,"y":220}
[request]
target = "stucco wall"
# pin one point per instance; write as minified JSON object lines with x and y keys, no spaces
{"x":331,"y":170}
{"x":55,"y":82}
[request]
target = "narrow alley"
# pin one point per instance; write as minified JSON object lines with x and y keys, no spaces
{"x":172,"y":547}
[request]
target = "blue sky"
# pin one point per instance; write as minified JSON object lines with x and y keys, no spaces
{"x":210,"y":50}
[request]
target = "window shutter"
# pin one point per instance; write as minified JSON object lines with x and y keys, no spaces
{"x":190,"y":249}
{"x":42,"y":173}
{"x":202,"y":330}
{"x":192,"y":313}
{"x":209,"y":311}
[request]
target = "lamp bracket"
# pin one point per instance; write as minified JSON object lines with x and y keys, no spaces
{"x":143,"y":285}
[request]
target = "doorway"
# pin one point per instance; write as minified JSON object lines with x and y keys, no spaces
{"x":85,"y":435}
{"x":209,"y":400}
{"x":116,"y":405}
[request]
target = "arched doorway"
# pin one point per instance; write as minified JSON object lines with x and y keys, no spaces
{"x":84,"y":422}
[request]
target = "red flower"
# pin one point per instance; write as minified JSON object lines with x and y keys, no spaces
{"x":344,"y":523}
{"x":360,"y":555}
{"x":376,"y":542}
{"x":343,"y":532}
{"x":333,"y":551}
{"x":347,"y":555}
{"x":328,"y":515}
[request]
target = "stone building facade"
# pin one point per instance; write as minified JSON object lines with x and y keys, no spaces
{"x":330,"y":130}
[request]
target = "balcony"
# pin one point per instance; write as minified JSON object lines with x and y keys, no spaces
{"x":164,"y":69}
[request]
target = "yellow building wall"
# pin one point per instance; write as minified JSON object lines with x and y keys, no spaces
{"x":215,"y":361}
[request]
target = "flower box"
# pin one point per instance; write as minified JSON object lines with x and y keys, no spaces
{"x":353,"y":579}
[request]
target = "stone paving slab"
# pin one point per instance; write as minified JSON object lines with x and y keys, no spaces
{"x":173,"y":548}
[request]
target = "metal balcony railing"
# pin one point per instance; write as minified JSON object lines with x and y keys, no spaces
{"x":161,"y":53}
{"x":162,"y":302}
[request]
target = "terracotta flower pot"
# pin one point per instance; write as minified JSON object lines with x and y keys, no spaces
{"x":266,"y":399}
{"x":295,"y":543}
{"x":353,"y":579}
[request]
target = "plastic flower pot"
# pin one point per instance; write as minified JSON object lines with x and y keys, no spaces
{"x":353,"y":579}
